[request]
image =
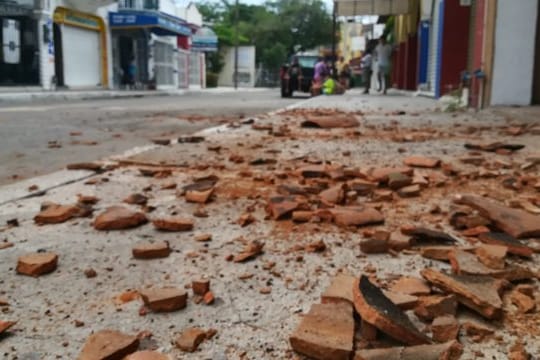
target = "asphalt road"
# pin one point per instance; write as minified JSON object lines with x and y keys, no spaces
{"x":90,"y":130}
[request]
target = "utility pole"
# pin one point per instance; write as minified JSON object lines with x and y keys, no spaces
{"x":334,"y":28}
{"x":236,"y":45}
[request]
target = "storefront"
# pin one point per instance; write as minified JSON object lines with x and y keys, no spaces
{"x":80,"y":49}
{"x":19,"y":51}
{"x":145,"y":44}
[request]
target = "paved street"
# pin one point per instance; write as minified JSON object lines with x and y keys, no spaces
{"x":112,"y":126}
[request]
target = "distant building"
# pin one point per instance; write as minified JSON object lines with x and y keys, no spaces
{"x":99,"y":44}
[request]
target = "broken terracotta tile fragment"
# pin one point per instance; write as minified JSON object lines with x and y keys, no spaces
{"x":334,"y":195}
{"x":245,"y":219}
{"x":340,"y":290}
{"x":356,"y":216}
{"x":326,"y":332}
{"x":465,"y":263}
{"x":479,"y":293}
{"x":381,"y":174}
{"x":431,"y":307}
{"x":56,"y":213}
{"x":200,"y":286}
{"x":108,"y":345}
{"x":477,"y":331}
{"x":376,"y":244}
{"x":173,"y":223}
{"x":329,"y":122}
{"x":440,"y":253}
{"x":492,"y":256}
{"x":402,"y":301}
{"x":302,"y":216}
{"x":118,"y":218}
{"x":518,"y":352}
{"x":37,"y":264}
{"x":515,"y":222}
{"x":398,"y":180}
{"x":5,"y":325}
{"x":368,"y":332}
{"x":209,"y":298}
{"x":151,"y":250}
{"x":409,"y":191}
{"x":147,"y":355}
{"x":136,"y":199}
{"x":251,"y":250}
{"x":374,"y":307}
{"x":203,"y":237}
{"x":421,"y":161}
{"x":514,"y":246}
{"x":411,"y":286}
{"x":164,"y":299}
{"x":85,"y":166}
{"x":424,"y":235}
{"x":281,"y":207}
{"x":190,"y":339}
{"x":524,"y":303}
{"x":447,"y":351}
{"x":315,"y":246}
{"x":445,"y":328}
{"x":398,"y":241}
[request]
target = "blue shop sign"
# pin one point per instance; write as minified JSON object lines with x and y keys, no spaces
{"x":159,"y":23}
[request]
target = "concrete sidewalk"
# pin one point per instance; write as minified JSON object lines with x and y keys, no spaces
{"x":258,"y":302}
{"x":20,"y":96}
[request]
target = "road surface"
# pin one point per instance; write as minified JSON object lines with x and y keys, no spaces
{"x":90,"y":130}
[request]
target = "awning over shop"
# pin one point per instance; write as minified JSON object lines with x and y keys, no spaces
{"x":371,"y":7}
{"x":158,"y":22}
{"x":204,"y":40}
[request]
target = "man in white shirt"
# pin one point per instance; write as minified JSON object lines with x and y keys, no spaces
{"x":383,"y":53}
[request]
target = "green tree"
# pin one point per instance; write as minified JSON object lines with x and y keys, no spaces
{"x":275,"y":28}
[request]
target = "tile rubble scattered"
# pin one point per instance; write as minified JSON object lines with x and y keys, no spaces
{"x":361,"y":316}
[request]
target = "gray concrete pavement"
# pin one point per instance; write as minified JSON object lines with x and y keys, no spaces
{"x":112,"y":126}
{"x":251,"y":324}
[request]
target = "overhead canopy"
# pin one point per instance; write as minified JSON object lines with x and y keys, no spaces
{"x":158,"y":22}
{"x":371,"y":7}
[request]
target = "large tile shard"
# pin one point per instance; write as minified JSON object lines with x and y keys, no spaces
{"x":340,"y":290}
{"x":514,"y":246}
{"x":356,"y":216}
{"x":375,"y":308}
{"x":108,"y":345}
{"x":451,"y":350}
{"x":118,"y":218}
{"x":326,"y":332}
{"x":518,"y":223}
{"x":480,"y":293}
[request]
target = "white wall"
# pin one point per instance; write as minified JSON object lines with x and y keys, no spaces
{"x":515,"y":37}
{"x":246,"y":64}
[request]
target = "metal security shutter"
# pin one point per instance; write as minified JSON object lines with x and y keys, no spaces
{"x":81,"y":57}
{"x":195,"y":68}
{"x":433,"y":60}
{"x":183,"y":69}
{"x":164,"y":57}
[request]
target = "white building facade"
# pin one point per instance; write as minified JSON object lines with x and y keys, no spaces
{"x":102,"y":44}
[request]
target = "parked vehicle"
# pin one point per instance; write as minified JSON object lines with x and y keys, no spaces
{"x":297,"y":77}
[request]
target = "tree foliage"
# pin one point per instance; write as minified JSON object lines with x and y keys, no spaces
{"x":276,"y":28}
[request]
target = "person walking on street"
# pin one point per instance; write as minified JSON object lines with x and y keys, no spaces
{"x":367,"y":71}
{"x":383,"y":52}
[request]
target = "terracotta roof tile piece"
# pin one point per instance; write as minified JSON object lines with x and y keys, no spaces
{"x":378,"y":310}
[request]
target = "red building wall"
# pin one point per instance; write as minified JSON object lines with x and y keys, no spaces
{"x":455,"y":44}
{"x":411,"y":60}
